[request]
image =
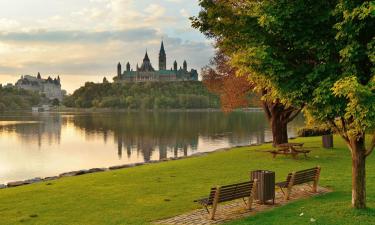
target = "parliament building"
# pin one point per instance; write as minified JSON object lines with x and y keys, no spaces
{"x":147,"y":73}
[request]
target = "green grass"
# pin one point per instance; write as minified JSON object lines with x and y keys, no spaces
{"x":147,"y":193}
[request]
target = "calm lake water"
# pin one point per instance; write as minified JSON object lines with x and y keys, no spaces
{"x":46,"y":144}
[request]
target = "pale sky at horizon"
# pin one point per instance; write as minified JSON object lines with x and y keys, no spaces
{"x":83,"y":40}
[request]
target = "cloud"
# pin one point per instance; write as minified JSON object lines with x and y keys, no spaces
{"x":88,"y":38}
{"x":63,"y":36}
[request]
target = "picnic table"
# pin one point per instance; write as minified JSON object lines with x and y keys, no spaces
{"x":293,"y":149}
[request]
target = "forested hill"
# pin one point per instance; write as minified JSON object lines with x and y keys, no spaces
{"x":144,"y":95}
{"x":17,"y":99}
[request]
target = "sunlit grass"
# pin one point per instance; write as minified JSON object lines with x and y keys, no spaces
{"x":148,"y":193}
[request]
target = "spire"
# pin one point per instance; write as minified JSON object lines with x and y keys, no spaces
{"x":119,"y":71}
{"x":162,"y":58}
{"x":146,"y":57}
{"x":128,"y":66}
{"x":175,"y":65}
{"x":39,"y":77}
{"x":185,"y":65}
{"x":162,"y":47}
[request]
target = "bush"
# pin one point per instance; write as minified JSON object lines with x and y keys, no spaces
{"x":18,"y":99}
{"x":314,"y":131}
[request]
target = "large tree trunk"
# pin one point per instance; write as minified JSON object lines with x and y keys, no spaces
{"x":279,"y":127}
{"x":358,"y":150}
{"x":279,"y":116}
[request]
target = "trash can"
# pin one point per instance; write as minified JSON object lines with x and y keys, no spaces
{"x":327,"y":141}
{"x":266,"y":185}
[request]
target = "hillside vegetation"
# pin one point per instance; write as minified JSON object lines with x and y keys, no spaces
{"x":17,"y":99}
{"x":145,"y":95}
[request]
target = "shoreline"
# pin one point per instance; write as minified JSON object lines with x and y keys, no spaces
{"x":13,"y":184}
{"x":106,"y":110}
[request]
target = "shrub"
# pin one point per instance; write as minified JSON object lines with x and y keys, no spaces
{"x":313,"y":131}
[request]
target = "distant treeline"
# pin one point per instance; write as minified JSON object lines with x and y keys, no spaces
{"x":17,"y":99}
{"x":144,"y":95}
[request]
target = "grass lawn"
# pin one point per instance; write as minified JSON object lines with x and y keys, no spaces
{"x":147,"y":193}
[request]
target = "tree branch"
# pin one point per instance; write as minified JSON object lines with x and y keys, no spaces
{"x":337,"y":129}
{"x":343,"y":124}
{"x":266,"y":110}
{"x":296,"y":113}
{"x":372,"y":146}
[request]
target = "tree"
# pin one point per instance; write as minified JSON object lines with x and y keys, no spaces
{"x":346,"y":100}
{"x":220,"y":78}
{"x":233,"y":28}
{"x":55,"y":102}
{"x":318,"y":53}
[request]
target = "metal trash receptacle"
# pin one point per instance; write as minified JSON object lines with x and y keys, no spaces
{"x":327,"y":141}
{"x":265,"y":187}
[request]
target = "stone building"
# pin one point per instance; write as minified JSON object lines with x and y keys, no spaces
{"x":49,"y":87}
{"x":146,"y":72}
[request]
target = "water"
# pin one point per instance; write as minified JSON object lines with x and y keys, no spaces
{"x":46,"y":144}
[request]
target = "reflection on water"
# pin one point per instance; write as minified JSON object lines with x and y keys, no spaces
{"x":37,"y":145}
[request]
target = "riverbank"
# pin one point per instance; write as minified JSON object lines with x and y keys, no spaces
{"x":81,"y":172}
{"x":139,"y":195}
{"x":104,"y":110}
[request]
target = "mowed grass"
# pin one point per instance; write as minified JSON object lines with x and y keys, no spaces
{"x":151,"y":192}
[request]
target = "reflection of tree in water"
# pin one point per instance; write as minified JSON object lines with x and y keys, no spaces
{"x":38,"y":128}
{"x":174,"y":132}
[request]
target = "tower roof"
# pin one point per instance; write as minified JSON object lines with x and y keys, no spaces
{"x":162,"y":50}
{"x":146,"y":65}
{"x":146,"y":58}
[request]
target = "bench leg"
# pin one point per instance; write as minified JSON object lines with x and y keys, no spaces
{"x":252,"y":193}
{"x":290,"y":186}
{"x":208,"y":211}
{"x":287,"y":193}
{"x":213,"y":211}
{"x":316,"y":181}
{"x":216,"y":201}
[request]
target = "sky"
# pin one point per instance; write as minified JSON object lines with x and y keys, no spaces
{"x":83,"y":40}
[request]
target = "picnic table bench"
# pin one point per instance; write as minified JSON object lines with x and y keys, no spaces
{"x":228,"y":193}
{"x":300,"y":177}
{"x":293,"y":149}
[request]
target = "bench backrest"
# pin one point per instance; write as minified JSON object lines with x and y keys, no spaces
{"x":231,"y":192}
{"x":303,"y":176}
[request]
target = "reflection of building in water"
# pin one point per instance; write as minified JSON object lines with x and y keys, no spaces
{"x":45,"y":129}
{"x":147,"y":146}
{"x":159,"y":135}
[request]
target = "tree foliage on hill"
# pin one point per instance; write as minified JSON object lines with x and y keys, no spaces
{"x":17,"y":99}
{"x":144,"y":95}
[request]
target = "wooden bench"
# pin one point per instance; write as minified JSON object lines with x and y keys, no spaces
{"x":228,"y":193}
{"x":300,"y":177}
